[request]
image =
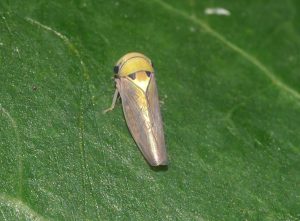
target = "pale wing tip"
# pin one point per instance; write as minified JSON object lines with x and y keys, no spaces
{"x":159,"y":162}
{"x":156,"y":156}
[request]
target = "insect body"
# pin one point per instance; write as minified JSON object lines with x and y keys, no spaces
{"x":135,"y":82}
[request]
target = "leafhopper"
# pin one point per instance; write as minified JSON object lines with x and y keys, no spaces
{"x":136,"y":85}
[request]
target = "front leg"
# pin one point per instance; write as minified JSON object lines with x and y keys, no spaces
{"x":113,"y":102}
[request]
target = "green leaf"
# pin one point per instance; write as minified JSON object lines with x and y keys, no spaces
{"x":231,"y":105}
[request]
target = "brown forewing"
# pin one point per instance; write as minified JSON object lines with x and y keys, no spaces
{"x":143,"y":117}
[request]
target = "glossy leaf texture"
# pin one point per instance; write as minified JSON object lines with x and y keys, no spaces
{"x":230,"y":93}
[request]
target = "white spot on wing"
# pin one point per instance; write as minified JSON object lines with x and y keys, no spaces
{"x":217,"y":11}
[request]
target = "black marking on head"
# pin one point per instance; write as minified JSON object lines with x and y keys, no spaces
{"x":116,"y":69}
{"x":148,"y":73}
{"x":132,"y":76}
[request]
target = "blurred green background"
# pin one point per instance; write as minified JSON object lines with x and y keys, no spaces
{"x":230,"y":88}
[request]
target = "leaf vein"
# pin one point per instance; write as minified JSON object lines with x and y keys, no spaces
{"x":229,"y":120}
{"x":86,"y":76}
{"x":267,"y":72}
{"x":82,"y":151}
{"x":66,"y":41}
{"x":19,"y":205}
{"x":19,"y":157}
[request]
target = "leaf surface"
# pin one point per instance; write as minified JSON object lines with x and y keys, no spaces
{"x":231,"y":105}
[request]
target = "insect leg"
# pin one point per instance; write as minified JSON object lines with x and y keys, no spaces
{"x":113,"y":102}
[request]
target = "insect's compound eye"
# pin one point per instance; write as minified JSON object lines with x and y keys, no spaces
{"x":116,"y":69}
{"x":132,"y":76}
{"x":148,"y":73}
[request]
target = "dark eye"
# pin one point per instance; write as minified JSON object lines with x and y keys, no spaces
{"x":148,"y":73}
{"x":116,"y":69}
{"x":132,"y":76}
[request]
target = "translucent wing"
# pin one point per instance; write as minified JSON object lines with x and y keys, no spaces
{"x":142,"y":114}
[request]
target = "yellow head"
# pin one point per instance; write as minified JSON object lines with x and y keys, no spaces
{"x":131,"y":63}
